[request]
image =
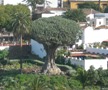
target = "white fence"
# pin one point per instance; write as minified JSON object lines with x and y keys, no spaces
{"x":97,"y":50}
{"x":4,"y":47}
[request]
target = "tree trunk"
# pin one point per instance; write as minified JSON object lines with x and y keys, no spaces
{"x":50,"y":67}
{"x":21,"y":54}
{"x":83,"y":86}
{"x":101,"y":87}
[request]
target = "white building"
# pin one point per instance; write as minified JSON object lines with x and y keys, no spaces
{"x":97,"y":29}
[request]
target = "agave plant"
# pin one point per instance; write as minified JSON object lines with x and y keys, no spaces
{"x":39,"y":84}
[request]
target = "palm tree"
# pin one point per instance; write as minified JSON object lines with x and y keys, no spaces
{"x":20,"y":26}
{"x":33,"y":4}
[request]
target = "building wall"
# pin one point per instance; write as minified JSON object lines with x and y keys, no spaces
{"x":78,"y":62}
{"x":91,"y":36}
{"x":46,"y":15}
{"x":53,"y":13}
{"x":97,"y":63}
{"x":4,"y":47}
{"x":37,"y":49}
{"x":100,"y":21}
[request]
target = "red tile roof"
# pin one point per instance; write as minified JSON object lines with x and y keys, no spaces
{"x":102,"y":27}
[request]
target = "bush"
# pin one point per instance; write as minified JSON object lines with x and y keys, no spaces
{"x":71,"y":73}
{"x":74,"y":84}
{"x":60,"y":60}
{"x":40,"y":82}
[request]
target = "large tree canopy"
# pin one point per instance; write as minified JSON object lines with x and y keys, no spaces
{"x":53,"y":32}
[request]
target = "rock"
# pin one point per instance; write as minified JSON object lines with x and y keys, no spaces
{"x":54,"y":71}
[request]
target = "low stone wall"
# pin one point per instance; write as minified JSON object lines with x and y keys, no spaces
{"x":15,"y":51}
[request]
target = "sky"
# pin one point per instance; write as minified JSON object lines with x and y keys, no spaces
{"x":14,"y":2}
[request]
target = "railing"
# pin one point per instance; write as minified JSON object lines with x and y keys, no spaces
{"x":13,"y":44}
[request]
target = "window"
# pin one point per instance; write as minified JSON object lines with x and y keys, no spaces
{"x":99,"y":22}
{"x":93,"y":23}
{"x":59,"y":3}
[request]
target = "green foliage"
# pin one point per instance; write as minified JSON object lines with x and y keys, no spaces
{"x":80,"y":47}
{"x":106,"y":10}
{"x":55,"y":31}
{"x":69,"y":62}
{"x":104,"y":44}
{"x":101,"y":78}
{"x":4,"y":17}
{"x":76,"y":15}
{"x":60,"y":52}
{"x":60,"y":60}
{"x":89,"y":5}
{"x":20,"y":19}
{"x":86,"y":80}
{"x":92,"y":76}
{"x":4,"y":57}
{"x":3,"y":54}
{"x":40,"y":82}
{"x":74,"y":84}
{"x":82,"y":76}
{"x":71,"y":73}
{"x":7,"y":12}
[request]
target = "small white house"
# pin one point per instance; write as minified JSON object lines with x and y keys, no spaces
{"x":96,"y":29}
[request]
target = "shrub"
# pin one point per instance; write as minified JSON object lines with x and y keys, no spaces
{"x":40,"y":82}
{"x":74,"y":84}
{"x":60,"y":60}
